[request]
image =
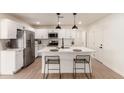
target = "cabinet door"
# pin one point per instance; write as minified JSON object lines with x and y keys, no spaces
{"x":73,"y":34}
{"x":12,"y":29}
{"x":83,"y":38}
{"x":3,"y":29}
{"x":7,"y":62}
{"x":41,"y":34}
{"x":61,"y":33}
{"x":19,"y":60}
{"x":45,"y":33}
{"x":8,"y":29}
{"x":37,"y":34}
{"x":67,"y":33}
{"x":19,"y":26}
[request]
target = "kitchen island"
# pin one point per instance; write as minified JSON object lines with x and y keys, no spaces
{"x":66,"y":57}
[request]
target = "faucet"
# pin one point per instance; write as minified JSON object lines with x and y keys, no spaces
{"x":62,"y":43}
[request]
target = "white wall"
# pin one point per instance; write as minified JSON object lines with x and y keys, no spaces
{"x":111,"y":29}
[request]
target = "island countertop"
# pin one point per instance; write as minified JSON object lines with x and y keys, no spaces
{"x":66,"y":57}
{"x":67,"y":49}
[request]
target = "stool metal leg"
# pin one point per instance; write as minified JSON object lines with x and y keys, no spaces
{"x":85,"y":70}
{"x":59,"y":71}
{"x":44,"y":70}
{"x":47,"y":70}
{"x":73,"y":70}
{"x":90,"y":71}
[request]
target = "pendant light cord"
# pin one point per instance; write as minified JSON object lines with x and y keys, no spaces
{"x":58,"y":19}
{"x":74,"y":19}
{"x":58,"y":26}
{"x":74,"y":14}
{"x":74,"y":27}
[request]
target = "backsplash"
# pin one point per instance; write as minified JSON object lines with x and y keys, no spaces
{"x":3,"y":44}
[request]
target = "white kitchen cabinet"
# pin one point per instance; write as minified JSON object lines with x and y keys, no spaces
{"x":41,"y":34}
{"x":73,"y":34}
{"x":8,"y":29}
{"x":11,"y":61}
{"x":79,"y":38}
{"x":36,"y":50}
{"x":19,"y":26}
{"x":66,"y":33}
{"x":61,"y":33}
{"x":53,"y":30}
{"x":19,"y":60}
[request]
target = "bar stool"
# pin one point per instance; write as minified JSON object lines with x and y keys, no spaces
{"x":82,"y":59}
{"x":49,"y":60}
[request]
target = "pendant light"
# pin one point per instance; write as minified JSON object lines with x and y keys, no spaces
{"x":58,"y":26}
{"x":74,"y":27}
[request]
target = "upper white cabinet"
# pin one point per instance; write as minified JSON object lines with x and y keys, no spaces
{"x":77,"y":35}
{"x":8,"y":29}
{"x":41,"y":34}
{"x":53,"y":30}
{"x":61,"y":33}
{"x":65,"y":33}
{"x":79,"y":38}
{"x":73,"y":34}
{"x":19,"y":26}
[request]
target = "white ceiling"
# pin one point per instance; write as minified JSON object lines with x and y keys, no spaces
{"x":50,"y":19}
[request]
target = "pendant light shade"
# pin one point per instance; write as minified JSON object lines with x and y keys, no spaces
{"x":58,"y":26}
{"x":74,"y":27}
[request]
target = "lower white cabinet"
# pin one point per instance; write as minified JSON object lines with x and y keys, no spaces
{"x":11,"y":61}
{"x":36,"y":51}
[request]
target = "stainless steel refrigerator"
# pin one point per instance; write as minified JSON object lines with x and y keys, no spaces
{"x":26,"y":41}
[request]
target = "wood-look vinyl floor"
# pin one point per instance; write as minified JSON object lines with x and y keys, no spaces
{"x":34,"y":72}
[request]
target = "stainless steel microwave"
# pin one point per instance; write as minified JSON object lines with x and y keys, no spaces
{"x":52,"y":35}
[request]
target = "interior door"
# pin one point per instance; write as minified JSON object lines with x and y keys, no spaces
{"x":98,"y":37}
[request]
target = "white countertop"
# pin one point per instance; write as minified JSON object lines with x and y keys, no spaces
{"x":83,"y":49}
{"x":13,"y":49}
